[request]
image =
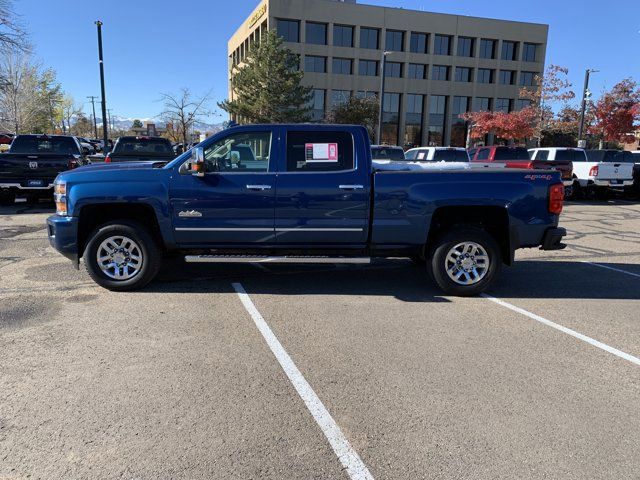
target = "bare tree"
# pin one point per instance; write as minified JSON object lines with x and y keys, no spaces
{"x":182,"y":110}
{"x":70,"y":111}
{"x":19,"y":99}
{"x":12,"y":33}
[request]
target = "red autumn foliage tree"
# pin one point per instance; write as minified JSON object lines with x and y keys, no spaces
{"x":617,"y":113}
{"x":509,"y":126}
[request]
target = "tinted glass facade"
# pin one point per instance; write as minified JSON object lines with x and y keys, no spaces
{"x":289,"y":30}
{"x":317,"y":104}
{"x":418,"y":43}
{"x":369,"y":38}
{"x":485,"y":75}
{"x":505,"y":77}
{"x":368,"y":68}
{"x":437,"y":116}
{"x":463,"y":74}
{"x":441,"y":45}
{"x":487,"y":48}
{"x":413,"y":120}
{"x":459,"y":105}
{"x":316,"y":33}
{"x":527,"y":79}
{"x":342,"y":66}
{"x":529,"y":52}
{"x":417,"y":71}
{"x":393,"y":69}
{"x":440,"y":72}
{"x":509,"y":50}
{"x":390,"y":118}
{"x":315,"y":64}
{"x":394,"y":41}
{"x":465,"y":47}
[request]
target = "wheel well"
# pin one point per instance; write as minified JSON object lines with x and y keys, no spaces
{"x":92,"y":216}
{"x":494,"y":220}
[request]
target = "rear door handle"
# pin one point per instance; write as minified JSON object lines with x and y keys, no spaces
{"x":258,"y":187}
{"x":351,"y":187}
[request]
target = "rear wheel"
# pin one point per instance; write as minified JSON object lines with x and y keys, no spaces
{"x":7,"y":198}
{"x":122,"y":256}
{"x":465,"y":261}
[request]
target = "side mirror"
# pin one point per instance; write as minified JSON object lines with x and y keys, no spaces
{"x":198,"y":167}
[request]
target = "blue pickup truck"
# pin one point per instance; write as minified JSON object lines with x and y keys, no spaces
{"x":300,"y":194}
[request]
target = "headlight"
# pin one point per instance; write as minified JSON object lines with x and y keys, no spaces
{"x":60,"y":197}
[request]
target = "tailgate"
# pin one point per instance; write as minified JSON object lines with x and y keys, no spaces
{"x":615,"y":171}
{"x":565,"y":167}
{"x":37,"y":170}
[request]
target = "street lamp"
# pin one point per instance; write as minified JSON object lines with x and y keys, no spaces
{"x":585,"y":94}
{"x":383,"y":65}
{"x":105,"y":133}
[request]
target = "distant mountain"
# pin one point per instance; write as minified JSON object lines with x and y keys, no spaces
{"x":122,"y":123}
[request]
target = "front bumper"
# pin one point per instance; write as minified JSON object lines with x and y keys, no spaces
{"x":25,"y":187}
{"x":552,"y":239}
{"x":63,"y":236}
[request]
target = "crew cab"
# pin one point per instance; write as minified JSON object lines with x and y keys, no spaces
{"x":305,"y":194}
{"x":588,"y":176}
{"x":140,"y":149}
{"x":33,"y":162}
{"x":518,"y":157}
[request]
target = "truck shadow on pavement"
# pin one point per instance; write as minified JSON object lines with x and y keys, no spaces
{"x":401,"y":279}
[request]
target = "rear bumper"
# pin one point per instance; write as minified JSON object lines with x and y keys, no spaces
{"x":63,"y":236}
{"x":552,"y":239}
{"x":612,"y":183}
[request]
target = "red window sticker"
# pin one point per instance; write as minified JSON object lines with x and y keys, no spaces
{"x":321,"y":152}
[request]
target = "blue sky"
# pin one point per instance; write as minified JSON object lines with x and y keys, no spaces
{"x":160,"y":46}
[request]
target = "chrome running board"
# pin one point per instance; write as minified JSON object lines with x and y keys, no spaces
{"x":272,"y":259}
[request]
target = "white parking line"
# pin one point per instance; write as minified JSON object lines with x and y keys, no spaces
{"x":350,"y":460}
{"x":568,"y":331}
{"x":612,"y":268}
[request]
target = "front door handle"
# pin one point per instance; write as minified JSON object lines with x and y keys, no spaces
{"x":258,"y":187}
{"x":351,"y":187}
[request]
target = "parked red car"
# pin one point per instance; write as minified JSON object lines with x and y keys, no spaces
{"x":518,"y":157}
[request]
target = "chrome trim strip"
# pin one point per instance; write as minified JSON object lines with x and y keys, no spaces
{"x":20,"y":187}
{"x":274,"y":259}
{"x":189,"y":229}
{"x":350,"y":187}
{"x":301,"y":229}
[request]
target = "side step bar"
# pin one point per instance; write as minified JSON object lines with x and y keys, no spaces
{"x":273,"y":259}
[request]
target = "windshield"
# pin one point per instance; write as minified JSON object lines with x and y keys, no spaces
{"x":387,"y":153}
{"x":37,"y":144}
{"x":143,"y":146}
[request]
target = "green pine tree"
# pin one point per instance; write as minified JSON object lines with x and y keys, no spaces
{"x":267,"y":86}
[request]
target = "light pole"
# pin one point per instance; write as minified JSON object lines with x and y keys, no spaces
{"x":585,"y":93}
{"x":105,"y":133}
{"x":383,"y":65}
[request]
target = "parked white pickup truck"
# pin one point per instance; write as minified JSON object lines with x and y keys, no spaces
{"x":589,"y":177}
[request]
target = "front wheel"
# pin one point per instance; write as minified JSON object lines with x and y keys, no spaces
{"x":122,"y":256}
{"x":465,"y":261}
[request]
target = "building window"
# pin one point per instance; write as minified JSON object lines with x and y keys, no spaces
{"x":417,"y":71}
{"x":487,"y":48}
{"x":418,"y":43}
{"x":442,"y":45}
{"x":437,"y":115}
{"x":315,"y":64}
{"x":459,"y":106}
{"x":317,"y":104}
{"x":503,"y":105}
{"x":339,"y":97}
{"x":342,"y":66}
{"x":369,"y":38}
{"x":522,"y":103}
{"x":465,"y":47}
{"x":393,"y":70}
{"x":395,"y":41}
{"x":390,"y":118}
{"x":440,"y":72}
{"x":366,"y":94}
{"x":368,"y":68}
{"x":505,"y":77}
{"x":316,"y":33}
{"x":481,"y":104}
{"x":509,"y":50}
{"x":413,"y":121}
{"x":289,"y":30}
{"x":463,"y":74}
{"x":529,"y":52}
{"x":485,"y":75}
{"x":528,"y":79}
{"x":343,"y":36}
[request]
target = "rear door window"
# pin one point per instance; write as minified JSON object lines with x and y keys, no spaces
{"x":319,"y":151}
{"x":564,"y":155}
{"x":445,"y":156}
{"x":462,"y":156}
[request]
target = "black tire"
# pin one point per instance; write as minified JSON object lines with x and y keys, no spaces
{"x":576,"y":191}
{"x":7,"y":199}
{"x":601,"y":193}
{"x":437,"y":264}
{"x":151,"y":255}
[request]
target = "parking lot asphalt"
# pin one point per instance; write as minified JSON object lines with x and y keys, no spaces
{"x":325,"y":365}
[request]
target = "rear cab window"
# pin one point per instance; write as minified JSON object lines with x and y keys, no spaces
{"x":44,"y":144}
{"x":506,"y":153}
{"x":320,"y":151}
{"x":143,"y":146}
{"x":383,"y":153}
{"x":450,"y":156}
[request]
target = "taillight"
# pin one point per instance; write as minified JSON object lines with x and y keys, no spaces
{"x":529,"y":165}
{"x":556,"y":198}
{"x":107,"y":159}
{"x":594,"y":171}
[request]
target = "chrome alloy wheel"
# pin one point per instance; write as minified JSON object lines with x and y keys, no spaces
{"x":467,"y":263}
{"x":119,"y":258}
